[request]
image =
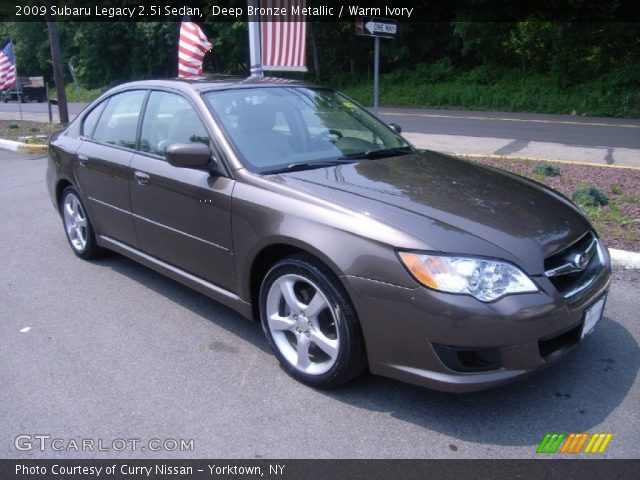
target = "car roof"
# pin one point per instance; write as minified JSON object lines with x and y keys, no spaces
{"x":217,"y":82}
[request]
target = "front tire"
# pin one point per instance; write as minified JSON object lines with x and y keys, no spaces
{"x":77,"y":226}
{"x":310,"y":323}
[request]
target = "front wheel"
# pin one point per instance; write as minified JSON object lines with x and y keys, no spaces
{"x":310,"y":323}
{"x":77,"y":225}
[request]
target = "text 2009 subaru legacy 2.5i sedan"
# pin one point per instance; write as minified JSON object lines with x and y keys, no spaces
{"x":292,"y":204}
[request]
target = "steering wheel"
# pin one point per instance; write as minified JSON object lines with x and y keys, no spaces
{"x":326,"y":139}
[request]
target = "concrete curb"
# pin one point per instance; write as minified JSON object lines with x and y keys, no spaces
{"x":21,"y":147}
{"x":623,"y":260}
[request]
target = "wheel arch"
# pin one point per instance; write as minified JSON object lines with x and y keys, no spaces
{"x":62,"y":184}
{"x":269,"y":255}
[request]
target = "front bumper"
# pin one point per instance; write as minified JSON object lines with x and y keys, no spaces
{"x":459,"y":344}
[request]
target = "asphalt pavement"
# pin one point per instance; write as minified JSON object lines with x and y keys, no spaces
{"x":108,"y":349}
{"x":598,"y":140}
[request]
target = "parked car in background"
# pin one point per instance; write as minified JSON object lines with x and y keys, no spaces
{"x":293,"y":205}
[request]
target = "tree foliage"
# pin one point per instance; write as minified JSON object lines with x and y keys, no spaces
{"x":568,"y":52}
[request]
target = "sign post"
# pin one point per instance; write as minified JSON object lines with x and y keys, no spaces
{"x":377,"y":28}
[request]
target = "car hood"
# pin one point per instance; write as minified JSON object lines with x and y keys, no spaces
{"x":453,"y":205}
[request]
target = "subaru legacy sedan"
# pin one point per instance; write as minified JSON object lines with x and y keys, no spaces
{"x":294,"y":206}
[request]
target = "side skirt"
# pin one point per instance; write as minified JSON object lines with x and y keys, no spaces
{"x":212,"y":291}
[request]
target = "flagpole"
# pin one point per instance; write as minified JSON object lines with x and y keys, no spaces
{"x":19,"y":87}
{"x":255,"y":53}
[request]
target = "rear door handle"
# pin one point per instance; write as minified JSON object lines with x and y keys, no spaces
{"x":83,"y":159}
{"x":142,"y":178}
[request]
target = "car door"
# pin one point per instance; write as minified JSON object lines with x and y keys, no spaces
{"x":103,"y":163}
{"x":182,"y":216}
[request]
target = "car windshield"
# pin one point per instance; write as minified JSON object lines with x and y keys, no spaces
{"x":279,"y":128}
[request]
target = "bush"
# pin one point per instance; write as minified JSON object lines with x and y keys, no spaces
{"x":441,"y":85}
{"x":82,"y":94}
{"x":546,"y":170}
{"x":590,"y":196}
{"x":440,"y":71}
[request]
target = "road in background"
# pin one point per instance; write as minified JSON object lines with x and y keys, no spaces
{"x":109,"y":349}
{"x":605,"y":141}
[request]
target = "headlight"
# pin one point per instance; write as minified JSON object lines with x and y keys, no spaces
{"x":486,"y":280}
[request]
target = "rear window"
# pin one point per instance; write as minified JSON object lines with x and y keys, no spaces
{"x":118,"y":123}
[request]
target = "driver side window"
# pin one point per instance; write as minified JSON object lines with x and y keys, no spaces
{"x":170,"y":118}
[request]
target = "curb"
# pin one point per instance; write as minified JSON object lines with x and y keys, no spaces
{"x":623,"y":260}
{"x":21,"y":147}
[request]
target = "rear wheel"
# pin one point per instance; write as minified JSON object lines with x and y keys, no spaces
{"x":310,"y":323}
{"x":77,"y":225}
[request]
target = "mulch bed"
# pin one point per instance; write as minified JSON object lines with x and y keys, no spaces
{"x":27,"y":129}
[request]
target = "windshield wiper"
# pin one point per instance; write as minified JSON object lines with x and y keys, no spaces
{"x":312,"y":164}
{"x":379,"y":153}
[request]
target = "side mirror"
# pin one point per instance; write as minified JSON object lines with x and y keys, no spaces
{"x":188,"y":155}
{"x":396,"y":128}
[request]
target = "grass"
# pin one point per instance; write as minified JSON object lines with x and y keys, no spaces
{"x":612,"y":222}
{"x":615,"y":95}
{"x":83,"y":95}
{"x":14,"y":131}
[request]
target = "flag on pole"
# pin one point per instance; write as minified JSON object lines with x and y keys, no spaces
{"x":283,"y":36}
{"x":192,"y":46}
{"x":7,"y":67}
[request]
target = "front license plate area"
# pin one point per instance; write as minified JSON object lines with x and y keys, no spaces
{"x":592,"y":316}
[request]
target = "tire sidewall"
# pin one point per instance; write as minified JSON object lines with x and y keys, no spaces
{"x":346,"y":322}
{"x":91,"y":248}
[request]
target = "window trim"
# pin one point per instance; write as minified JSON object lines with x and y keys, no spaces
{"x":102,"y":105}
{"x":105,"y":101}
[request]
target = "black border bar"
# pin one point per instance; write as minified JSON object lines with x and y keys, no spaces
{"x":123,"y":469}
{"x":332,"y":10}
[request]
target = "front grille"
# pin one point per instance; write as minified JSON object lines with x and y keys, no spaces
{"x":549,"y":346}
{"x":576,"y":267}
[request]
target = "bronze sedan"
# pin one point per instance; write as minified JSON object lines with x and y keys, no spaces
{"x":293,"y":205}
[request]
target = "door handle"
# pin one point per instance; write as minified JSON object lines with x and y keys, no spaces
{"x":82,"y":159}
{"x":142,"y":178}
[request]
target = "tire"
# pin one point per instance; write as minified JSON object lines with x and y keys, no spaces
{"x":310,"y":323}
{"x":77,"y":225}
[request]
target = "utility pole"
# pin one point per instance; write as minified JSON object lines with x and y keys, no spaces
{"x":54,"y":42}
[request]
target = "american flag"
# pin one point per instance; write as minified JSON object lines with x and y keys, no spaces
{"x":7,"y":67}
{"x":192,"y":46}
{"x":283,"y":37}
